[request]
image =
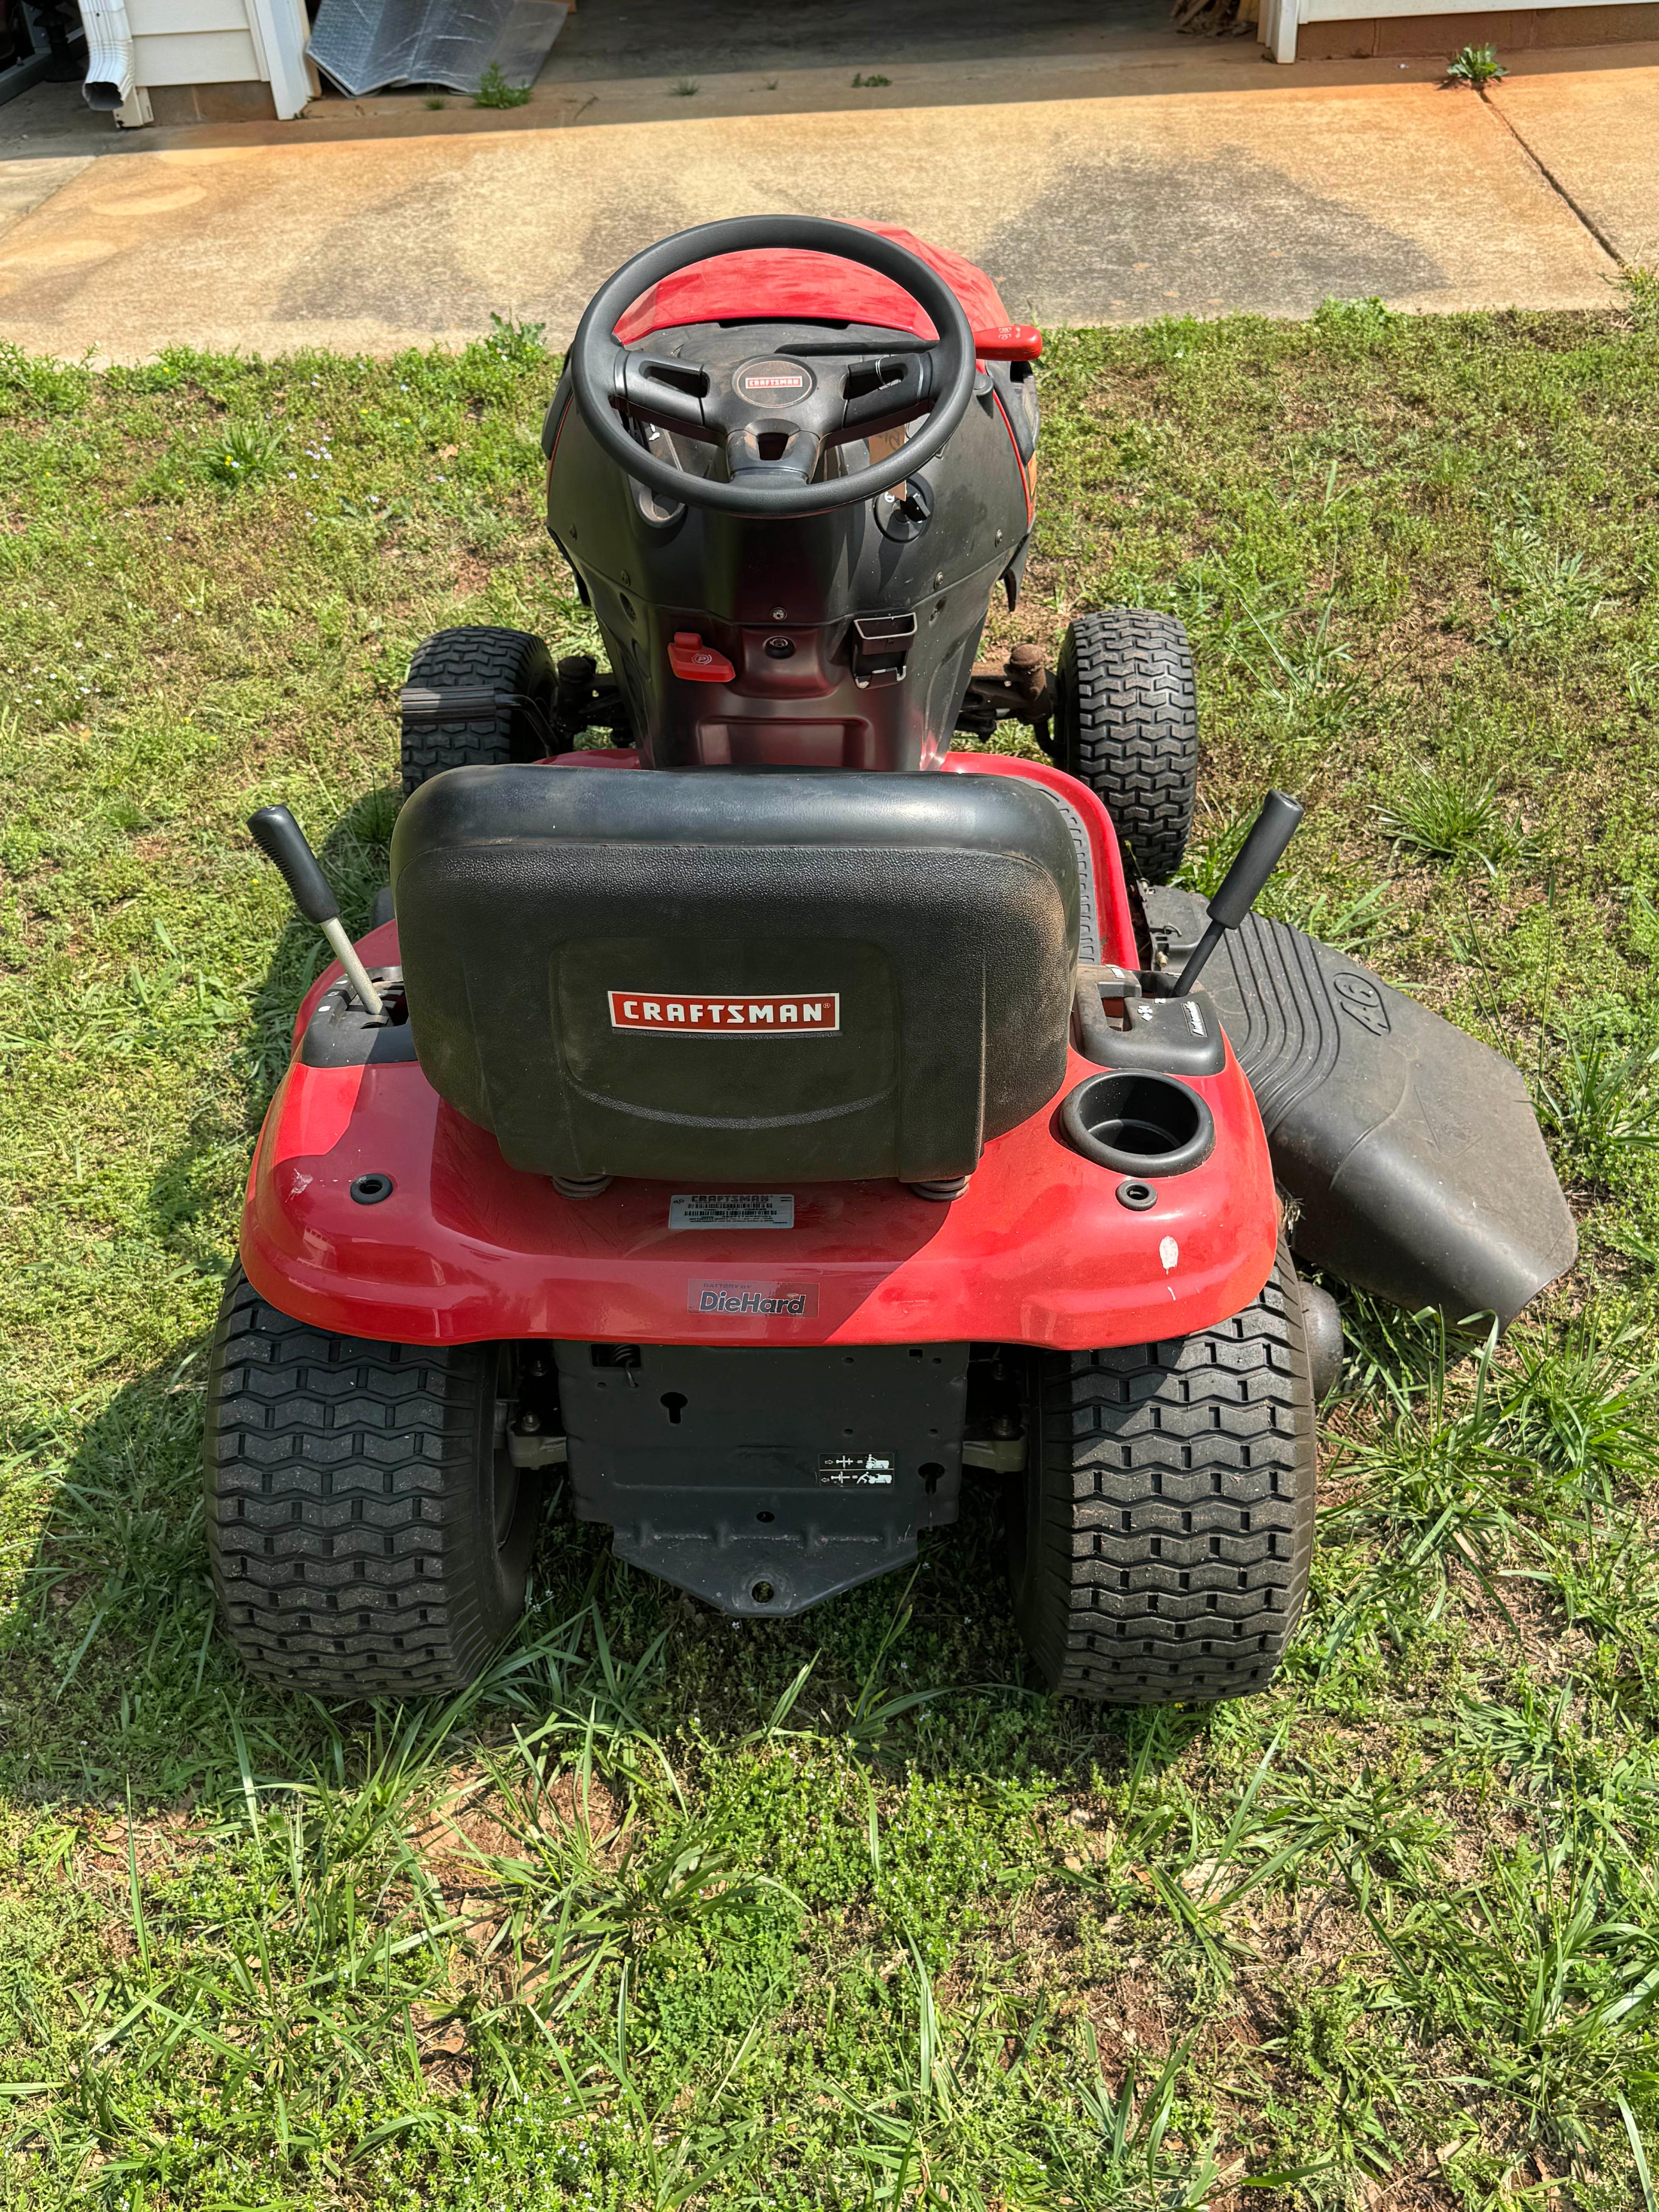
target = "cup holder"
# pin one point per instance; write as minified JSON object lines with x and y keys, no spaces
{"x":1139,"y":1125}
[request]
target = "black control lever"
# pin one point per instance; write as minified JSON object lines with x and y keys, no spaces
{"x":1245,"y":881}
{"x":279,"y":837}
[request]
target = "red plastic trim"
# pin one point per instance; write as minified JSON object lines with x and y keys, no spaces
{"x":1025,"y":473}
{"x":1115,"y":917}
{"x":468,"y":1249}
{"x":783,"y":285}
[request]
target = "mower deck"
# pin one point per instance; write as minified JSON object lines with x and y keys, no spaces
{"x":1410,"y":1149}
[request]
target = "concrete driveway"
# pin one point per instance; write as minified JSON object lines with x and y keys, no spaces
{"x":1134,"y":177}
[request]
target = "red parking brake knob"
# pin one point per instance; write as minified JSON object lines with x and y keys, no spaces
{"x":694,"y":662}
{"x":1009,"y":342}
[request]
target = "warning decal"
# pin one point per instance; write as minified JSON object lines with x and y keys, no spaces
{"x":862,"y":1470}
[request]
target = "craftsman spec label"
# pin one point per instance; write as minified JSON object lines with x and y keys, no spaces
{"x":725,"y":1209}
{"x":753,"y":1301}
{"x":793,"y":1014}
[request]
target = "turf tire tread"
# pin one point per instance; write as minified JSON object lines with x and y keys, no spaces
{"x":1127,"y":725}
{"x":1170,"y":1536}
{"x":509,"y":661}
{"x":345,"y":1525}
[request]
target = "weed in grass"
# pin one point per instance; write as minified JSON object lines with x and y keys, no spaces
{"x":1443,"y":813}
{"x":1336,"y":2037}
{"x":494,"y":91}
{"x":1308,"y":675}
{"x":1347,"y":924}
{"x":1213,"y":850}
{"x":1608,"y":1585}
{"x":1441,"y":1492}
{"x":243,"y":453}
{"x":1579,"y":1402}
{"x":1475,"y":66}
{"x":1601,"y":1104}
{"x":1545,"y":593}
{"x":1547,"y":1974}
{"x":516,"y":345}
{"x":1364,"y":320}
{"x":49,"y":388}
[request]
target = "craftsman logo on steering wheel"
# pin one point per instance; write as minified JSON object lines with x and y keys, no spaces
{"x":774,"y":383}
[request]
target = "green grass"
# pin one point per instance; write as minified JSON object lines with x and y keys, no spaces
{"x":842,"y":1912}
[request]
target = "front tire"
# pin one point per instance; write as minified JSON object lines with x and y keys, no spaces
{"x":368,"y":1536}
{"x":515,"y":668}
{"x":1160,"y":1549}
{"x":1126,"y":723}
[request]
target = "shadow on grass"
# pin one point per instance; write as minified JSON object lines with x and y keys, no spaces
{"x":119,"y":1680}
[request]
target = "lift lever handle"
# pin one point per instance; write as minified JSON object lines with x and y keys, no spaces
{"x":1245,"y":881}
{"x":279,"y":837}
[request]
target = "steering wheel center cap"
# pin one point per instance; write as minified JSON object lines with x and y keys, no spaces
{"x":774,"y":382}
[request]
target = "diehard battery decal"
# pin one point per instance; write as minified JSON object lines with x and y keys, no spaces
{"x":728,"y":1301}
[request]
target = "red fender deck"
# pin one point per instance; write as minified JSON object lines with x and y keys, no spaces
{"x":467,"y":1249}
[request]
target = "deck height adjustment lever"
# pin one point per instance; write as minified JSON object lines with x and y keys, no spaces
{"x":279,"y":837}
{"x":1245,"y":881}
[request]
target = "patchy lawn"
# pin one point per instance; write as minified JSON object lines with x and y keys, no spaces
{"x":844,"y":1911}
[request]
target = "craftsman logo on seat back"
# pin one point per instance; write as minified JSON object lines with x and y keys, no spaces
{"x":768,"y":1014}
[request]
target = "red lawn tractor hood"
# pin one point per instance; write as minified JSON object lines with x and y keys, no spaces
{"x":793,"y":286}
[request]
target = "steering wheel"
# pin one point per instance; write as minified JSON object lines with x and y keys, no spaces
{"x":776,"y":413}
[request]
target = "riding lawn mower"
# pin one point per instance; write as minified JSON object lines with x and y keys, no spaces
{"x":755,"y":1118}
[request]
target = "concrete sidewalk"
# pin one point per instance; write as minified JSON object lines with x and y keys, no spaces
{"x":1135,"y":187}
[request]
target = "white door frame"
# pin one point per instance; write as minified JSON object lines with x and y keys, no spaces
{"x":280,"y":30}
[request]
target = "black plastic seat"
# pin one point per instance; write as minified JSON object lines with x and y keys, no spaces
{"x":729,"y":975}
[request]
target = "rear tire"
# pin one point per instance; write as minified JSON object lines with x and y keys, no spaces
{"x":1126,"y":723}
{"x":1161,"y":1546}
{"x":511,"y":663}
{"x":367,"y":1538}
